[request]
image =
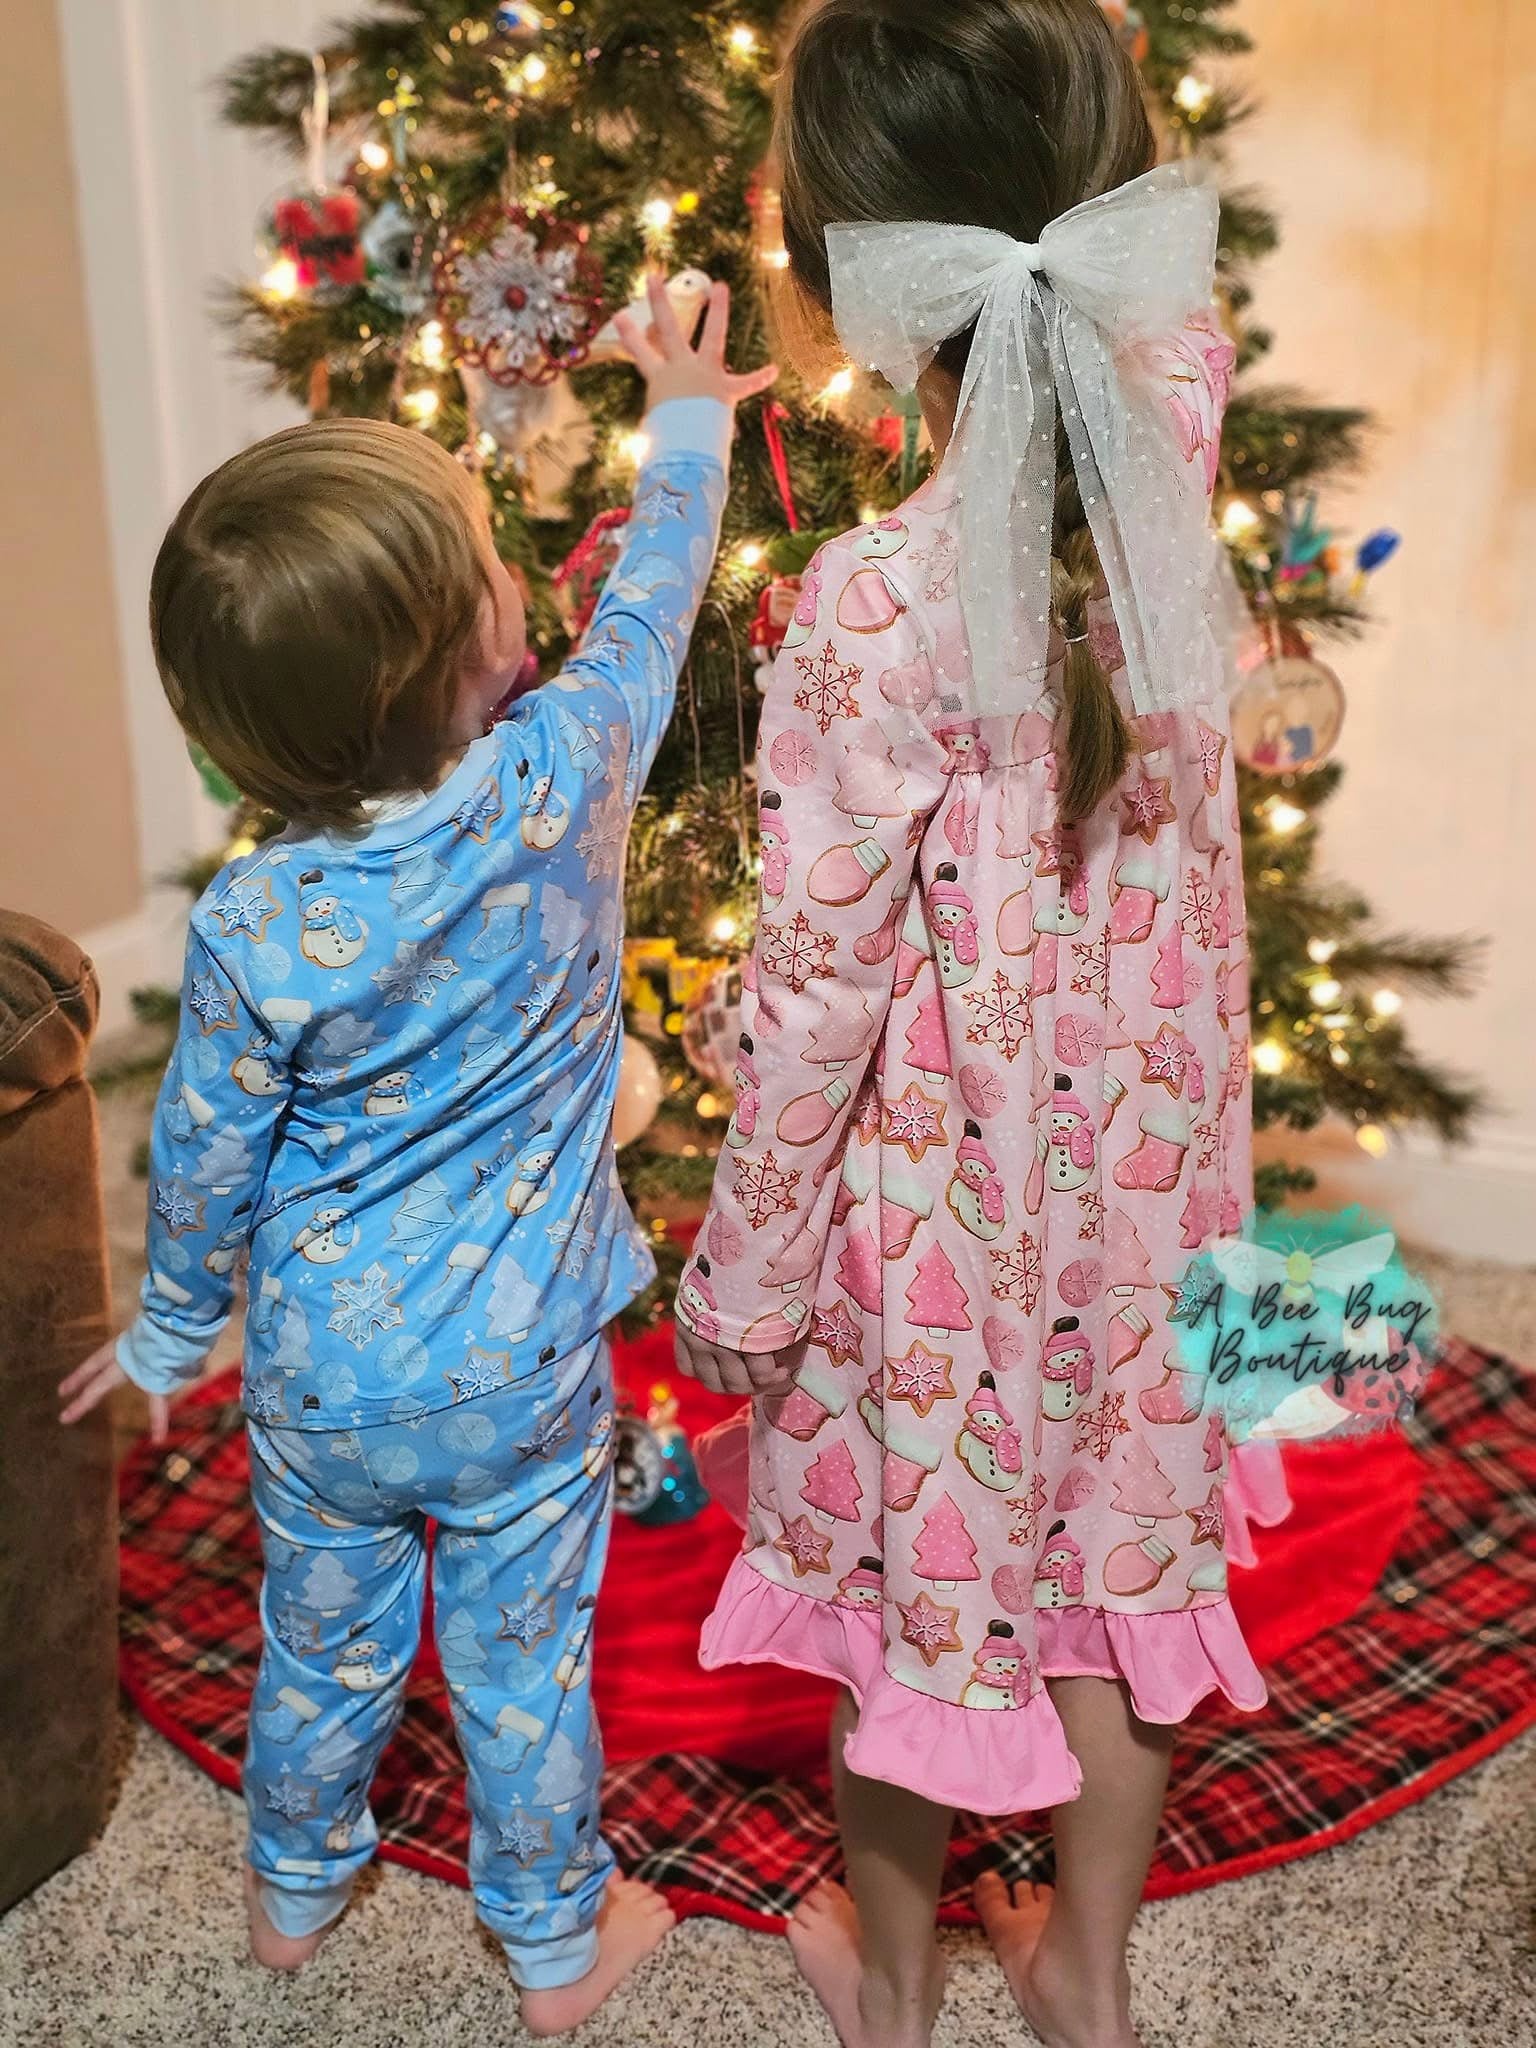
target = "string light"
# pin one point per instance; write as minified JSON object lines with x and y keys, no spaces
{"x":535,"y":70}
{"x":1339,"y":1055}
{"x":1372,"y":1139}
{"x":838,"y":385}
{"x":1193,"y":95}
{"x":723,"y":930}
{"x":1238,"y":520}
{"x":634,"y":446}
{"x":1284,"y":817}
{"x":282,"y":280}
{"x":374,"y":155}
{"x":1269,"y":1056}
{"x":1326,"y":993}
{"x":429,"y":345}
{"x":421,"y":405}
{"x":749,"y":554}
{"x":240,"y":846}
{"x":776,"y":259}
{"x":687,"y":202}
{"x":742,"y":40}
{"x":656,"y":216}
{"x":1386,"y":1002}
{"x":869,"y":515}
{"x":1322,"y":950}
{"x":708,"y":1105}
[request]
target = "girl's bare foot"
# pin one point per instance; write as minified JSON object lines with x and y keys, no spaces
{"x":1053,"y":1994}
{"x":272,"y":1950}
{"x":634,"y":1920}
{"x":824,"y":1936}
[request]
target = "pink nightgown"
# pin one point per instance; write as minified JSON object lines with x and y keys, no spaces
{"x":993,"y":1096}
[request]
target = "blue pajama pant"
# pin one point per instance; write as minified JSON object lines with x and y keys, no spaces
{"x":518,"y":1482}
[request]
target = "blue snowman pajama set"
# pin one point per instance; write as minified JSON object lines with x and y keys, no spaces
{"x":394,"y":1083}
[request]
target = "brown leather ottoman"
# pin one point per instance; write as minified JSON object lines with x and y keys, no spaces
{"x":58,"y":1521}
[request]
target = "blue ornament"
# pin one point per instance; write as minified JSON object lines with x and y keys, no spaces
{"x":1376,"y":548}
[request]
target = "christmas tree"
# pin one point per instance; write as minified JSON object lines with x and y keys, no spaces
{"x":621,"y":139}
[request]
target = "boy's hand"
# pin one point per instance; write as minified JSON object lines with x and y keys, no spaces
{"x":736,"y":1372}
{"x":673,"y":369}
{"x":91,"y":1382}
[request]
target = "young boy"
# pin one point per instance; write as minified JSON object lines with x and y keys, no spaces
{"x":394,"y":1083}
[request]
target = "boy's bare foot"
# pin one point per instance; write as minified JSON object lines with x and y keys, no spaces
{"x":634,"y":1920}
{"x":824,"y":1936}
{"x":1050,"y":1993}
{"x":272,"y":1950}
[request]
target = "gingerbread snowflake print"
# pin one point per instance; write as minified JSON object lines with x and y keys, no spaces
{"x":834,"y":1331}
{"x":1208,"y":1519}
{"x":1098,"y":1427}
{"x":928,"y":1627}
{"x":765,"y":1189}
{"x":827,"y":686}
{"x":796,"y":952}
{"x":1090,"y":960}
{"x":915,"y":1122}
{"x":805,"y":1549}
{"x":1165,"y":1058}
{"x":1000,"y":1015}
{"x":1197,"y":909}
{"x":920,"y":1376}
{"x":1016,"y":1273}
{"x":1024,"y":1510}
{"x":1210,"y":745}
{"x":1147,"y":807}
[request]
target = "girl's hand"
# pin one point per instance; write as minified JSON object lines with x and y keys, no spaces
{"x":671,"y":368}
{"x":91,"y":1382}
{"x":736,"y":1372}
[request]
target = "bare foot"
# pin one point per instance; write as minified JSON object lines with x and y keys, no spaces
{"x":634,"y":1920}
{"x":1047,"y":1988}
{"x":824,"y":1936}
{"x":272,"y":1950}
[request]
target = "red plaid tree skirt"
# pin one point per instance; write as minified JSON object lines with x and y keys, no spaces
{"x":1433,"y":1672}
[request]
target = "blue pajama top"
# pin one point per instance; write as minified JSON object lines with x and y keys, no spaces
{"x":395,"y":1072}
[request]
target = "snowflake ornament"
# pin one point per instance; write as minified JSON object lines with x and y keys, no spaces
{"x":796,"y":952}
{"x":365,"y":1307}
{"x":1147,"y":807}
{"x":1001,"y":1015}
{"x":291,"y":1799}
{"x":765,"y":1189}
{"x":520,"y":295}
{"x":1165,"y":1058}
{"x":178,"y":1208}
{"x":827,"y":686}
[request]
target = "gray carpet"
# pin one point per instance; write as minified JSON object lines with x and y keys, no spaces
{"x":1416,"y":1935}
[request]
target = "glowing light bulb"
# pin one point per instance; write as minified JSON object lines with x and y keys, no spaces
{"x":1193,"y":95}
{"x":708,"y":1105}
{"x":687,"y":202}
{"x":1322,"y":950}
{"x":723,"y":930}
{"x":749,"y":554}
{"x":1386,"y":1002}
{"x":486,"y":443}
{"x":1269,"y":1056}
{"x":421,"y":405}
{"x":240,"y":846}
{"x":869,"y":515}
{"x":1326,"y":993}
{"x":635,"y":446}
{"x":374,"y":155}
{"x":656,"y":215}
{"x":1238,"y":520}
{"x":429,"y":345}
{"x":742,"y":39}
{"x":1338,"y":1055}
{"x":1284,"y":817}
{"x":282,"y":280}
{"x":535,"y":69}
{"x":1372,"y":1139}
{"x":776,"y":259}
{"x":838,"y":385}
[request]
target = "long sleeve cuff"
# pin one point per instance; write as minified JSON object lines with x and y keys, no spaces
{"x":159,"y":1360}
{"x":691,"y":426}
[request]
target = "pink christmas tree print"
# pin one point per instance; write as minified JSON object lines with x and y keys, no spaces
{"x":1170,"y":984}
{"x":935,"y":1299}
{"x":928,"y":1038}
{"x":842,"y":1034}
{"x":858,"y":1270}
{"x":794,"y":1262}
{"x":868,"y":785}
{"x":1125,"y":1256}
{"x":944,"y":1550}
{"x":1141,"y":1486}
{"x":831,"y":1484}
{"x":1215,"y":1446}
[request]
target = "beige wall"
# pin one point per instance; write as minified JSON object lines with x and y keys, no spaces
{"x":1398,"y":145}
{"x":68,"y":844}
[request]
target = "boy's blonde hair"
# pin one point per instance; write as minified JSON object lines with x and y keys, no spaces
{"x":312,"y":609}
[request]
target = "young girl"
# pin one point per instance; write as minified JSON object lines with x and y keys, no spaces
{"x":999,"y":1042}
{"x":394,"y":1082}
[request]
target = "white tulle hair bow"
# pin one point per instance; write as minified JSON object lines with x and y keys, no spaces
{"x":1072,"y":320}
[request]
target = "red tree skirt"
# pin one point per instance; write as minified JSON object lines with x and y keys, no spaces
{"x":1395,"y":1613}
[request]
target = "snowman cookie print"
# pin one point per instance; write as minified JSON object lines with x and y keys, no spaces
{"x":546,"y":815}
{"x":327,"y":1237}
{"x":389,"y":1095}
{"x":952,"y":922}
{"x":975,"y":1191}
{"x":363,"y":1666}
{"x":1065,"y":1151}
{"x":1066,"y":1370}
{"x":999,"y":1675}
{"x":988,"y":1444}
{"x":1058,"y":1578}
{"x":252,"y":1071}
{"x":333,"y":935}
{"x":862,"y":1589}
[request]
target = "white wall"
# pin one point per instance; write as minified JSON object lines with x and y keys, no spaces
{"x":1398,"y":147}
{"x":168,"y":203}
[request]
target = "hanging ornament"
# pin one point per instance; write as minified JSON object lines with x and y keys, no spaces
{"x":711,"y":1029}
{"x":1374,"y":550}
{"x":680,"y":1492}
{"x":774,"y":415}
{"x":579,"y":579}
{"x":1288,"y":710}
{"x":520,"y":295}
{"x":313,"y":230}
{"x":519,"y":19}
{"x":775,"y":608}
{"x":1307,"y":557}
{"x":397,"y":258}
{"x":688,"y":291}
{"x":639,"y":1092}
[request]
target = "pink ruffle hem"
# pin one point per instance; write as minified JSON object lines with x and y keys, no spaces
{"x":986,"y":1762}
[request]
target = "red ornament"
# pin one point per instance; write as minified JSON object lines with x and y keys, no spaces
{"x":318,"y":234}
{"x":770,"y":622}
